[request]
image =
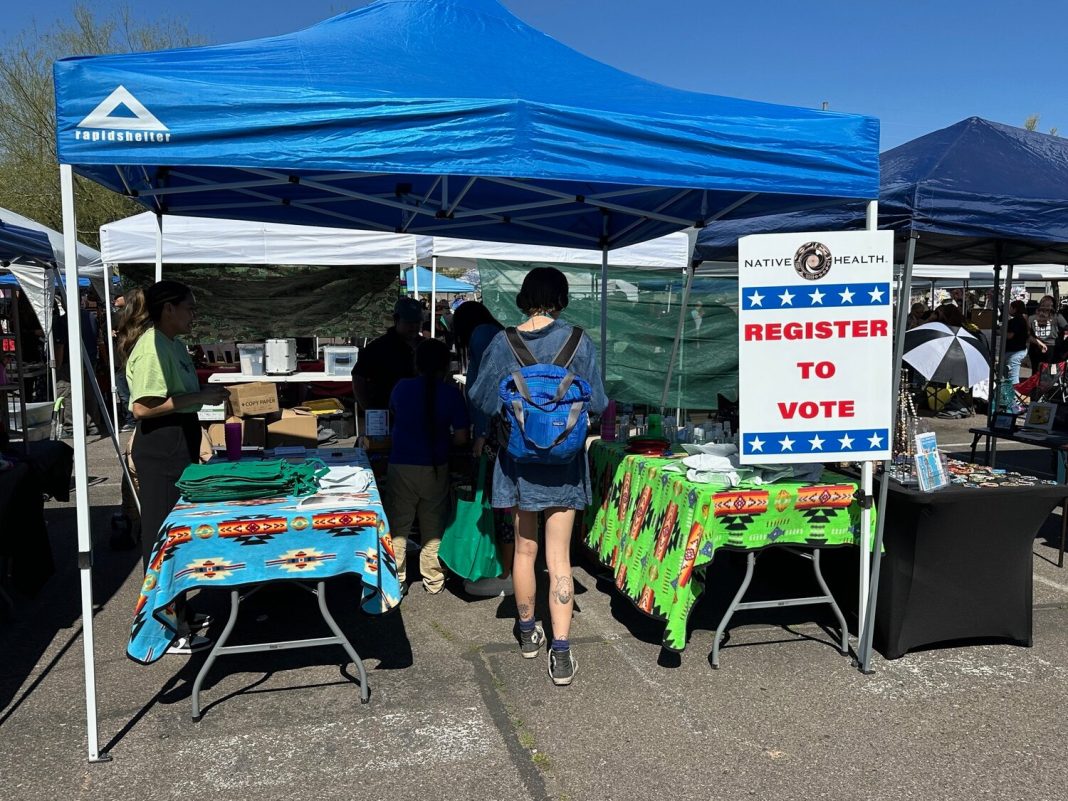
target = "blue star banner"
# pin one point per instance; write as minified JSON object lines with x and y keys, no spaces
{"x":819,"y":296}
{"x":836,"y":442}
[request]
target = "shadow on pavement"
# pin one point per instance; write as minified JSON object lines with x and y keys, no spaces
{"x":36,"y":622}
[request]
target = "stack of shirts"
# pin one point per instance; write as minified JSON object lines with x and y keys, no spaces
{"x":241,"y":481}
{"x":718,"y":465}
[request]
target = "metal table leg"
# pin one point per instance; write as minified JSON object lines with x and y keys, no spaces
{"x":1064,"y":532}
{"x":737,"y":604}
{"x":221,"y":648}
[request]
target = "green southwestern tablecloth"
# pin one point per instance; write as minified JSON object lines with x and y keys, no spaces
{"x":657,"y":530}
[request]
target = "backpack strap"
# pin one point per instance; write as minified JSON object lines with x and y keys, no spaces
{"x":519,"y":348}
{"x":570,"y":348}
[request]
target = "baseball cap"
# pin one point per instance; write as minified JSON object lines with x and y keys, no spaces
{"x":409,"y":310}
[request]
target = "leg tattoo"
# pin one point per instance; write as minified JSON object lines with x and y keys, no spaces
{"x":526,"y":610}
{"x":562,"y":592}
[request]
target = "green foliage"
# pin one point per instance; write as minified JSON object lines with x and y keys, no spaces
{"x":29,"y":174}
{"x":1031,"y":124}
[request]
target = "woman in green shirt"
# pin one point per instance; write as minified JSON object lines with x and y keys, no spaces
{"x":165,"y":396}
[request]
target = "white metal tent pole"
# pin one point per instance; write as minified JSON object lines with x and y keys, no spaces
{"x":682,"y":371}
{"x":81,"y":468}
{"x":604,"y":313}
{"x":867,"y":470}
{"x":867,"y":632}
{"x":111,"y":345}
{"x":999,"y":362}
{"x":604,"y":294}
{"x":678,"y":336}
{"x":52,"y":358}
{"x":433,"y":296}
{"x":415,"y":278}
{"x":95,"y":386}
{"x":159,"y":247}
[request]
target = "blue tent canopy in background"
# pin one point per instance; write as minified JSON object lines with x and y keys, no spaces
{"x":20,"y":244}
{"x":443,"y":116}
{"x":977,"y":192}
{"x":445,"y":284}
{"x":10,"y":280}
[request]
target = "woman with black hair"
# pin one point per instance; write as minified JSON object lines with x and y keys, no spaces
{"x":429,"y":416}
{"x":165,"y":396}
{"x":529,"y":489}
{"x":474,"y":327}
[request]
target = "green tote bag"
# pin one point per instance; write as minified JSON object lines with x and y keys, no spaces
{"x":468,"y":546}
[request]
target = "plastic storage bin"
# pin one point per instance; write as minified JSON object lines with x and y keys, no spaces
{"x":252,"y":358}
{"x":340,"y":359}
{"x":36,"y":413}
{"x":281,"y":356}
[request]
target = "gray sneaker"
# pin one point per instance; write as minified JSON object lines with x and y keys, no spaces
{"x":562,"y":667}
{"x":532,"y":643}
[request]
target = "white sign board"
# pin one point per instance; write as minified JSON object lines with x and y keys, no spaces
{"x":815,"y":346}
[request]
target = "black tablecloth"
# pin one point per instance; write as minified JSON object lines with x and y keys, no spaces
{"x":23,"y":536}
{"x":957,"y":565}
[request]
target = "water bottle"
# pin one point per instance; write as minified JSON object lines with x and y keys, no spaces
{"x":608,"y":422}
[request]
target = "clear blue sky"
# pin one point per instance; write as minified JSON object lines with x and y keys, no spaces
{"x":917,"y":65}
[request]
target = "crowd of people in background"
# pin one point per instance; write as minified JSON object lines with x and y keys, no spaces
{"x":1036,"y":331}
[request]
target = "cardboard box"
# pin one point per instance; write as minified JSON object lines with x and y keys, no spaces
{"x":212,"y":414}
{"x":294,"y":427}
{"x":253,"y":432}
{"x":251,"y":399}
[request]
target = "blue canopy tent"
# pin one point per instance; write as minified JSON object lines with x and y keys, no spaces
{"x":420,"y":279}
{"x":19,"y":243}
{"x":435,"y":117}
{"x":977,"y":192}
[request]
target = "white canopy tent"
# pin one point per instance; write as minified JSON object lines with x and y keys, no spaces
{"x":206,"y":240}
{"x":146,"y":239}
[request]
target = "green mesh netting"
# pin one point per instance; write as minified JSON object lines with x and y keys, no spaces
{"x":643,"y":314}
{"x":249,"y":303}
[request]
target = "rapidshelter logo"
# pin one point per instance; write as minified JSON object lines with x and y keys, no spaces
{"x":121,"y":117}
{"x":812,"y":261}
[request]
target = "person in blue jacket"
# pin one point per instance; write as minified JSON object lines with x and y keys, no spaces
{"x":530,"y":489}
{"x":474,"y":327}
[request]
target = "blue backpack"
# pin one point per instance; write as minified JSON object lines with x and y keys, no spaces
{"x":544,"y":407}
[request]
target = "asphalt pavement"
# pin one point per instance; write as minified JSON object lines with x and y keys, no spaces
{"x":456,"y":713}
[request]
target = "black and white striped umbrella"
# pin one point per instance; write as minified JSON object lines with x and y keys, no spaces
{"x":947,"y":354}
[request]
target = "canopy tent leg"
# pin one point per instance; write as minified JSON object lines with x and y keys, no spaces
{"x":995,"y":326}
{"x":675,"y":345}
{"x":159,"y":247}
{"x":112,"y":433}
{"x":604,"y":296}
{"x":415,"y":279}
{"x":433,"y":296}
{"x":999,"y":344}
{"x":867,"y":471}
{"x":868,"y":629}
{"x":52,"y":362}
{"x":678,"y":389}
{"x":81,"y":471}
{"x":111,"y":346}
